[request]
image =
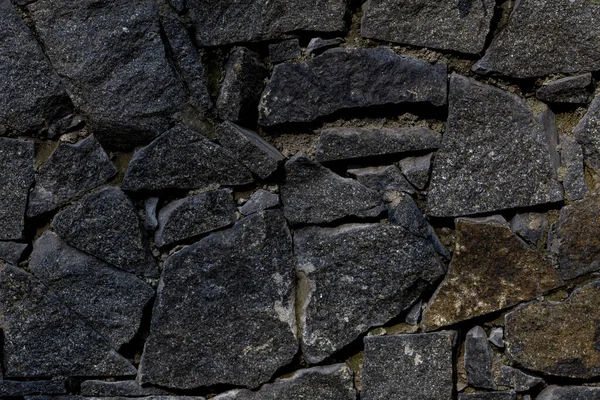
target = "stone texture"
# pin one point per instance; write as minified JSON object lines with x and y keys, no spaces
{"x":572,"y":89}
{"x":16,"y":164}
{"x":497,"y":337}
{"x":357,"y":276}
{"x":233,"y":292}
{"x":119,"y":388}
{"x":417,"y":169}
{"x":349,"y":78}
{"x":11,"y":252}
{"x":284,"y":51}
{"x":382,"y":178}
{"x":16,"y":388}
{"x":105,"y":225}
{"x":572,"y":170}
{"x":44,"y":338}
{"x":260,"y":200}
{"x":504,"y":395}
{"x":495,"y":154}
{"x":448,"y":25}
{"x":516,"y":379}
{"x":410,"y":367}
{"x":183,"y":159}
{"x":478,"y":359}
{"x":249,"y":149}
{"x":71,"y":171}
{"x":587,"y":133}
{"x":491,"y":270}
{"x":529,"y":226}
{"x":412,"y":317}
{"x":317,"y":45}
{"x":107,"y":299}
{"x":347,"y":143}
{"x":557,"y":338}
{"x":569,"y":393}
{"x":313,"y":194}
{"x":151,"y":220}
{"x":195,"y":215}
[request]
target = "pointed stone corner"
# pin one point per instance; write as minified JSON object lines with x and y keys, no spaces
{"x":478,"y":359}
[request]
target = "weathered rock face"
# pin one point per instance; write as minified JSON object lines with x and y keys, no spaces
{"x":491,"y":269}
{"x":497,"y":337}
{"x":348,"y":78}
{"x":12,"y":252}
{"x":505,"y":395}
{"x":16,"y":388}
{"x":557,"y":338}
{"x":416,"y":170}
{"x":382,"y":178}
{"x":260,"y":200}
{"x":120,"y":388}
{"x":318,"y":45}
{"x":516,"y":379}
{"x":495,"y":154}
{"x":572,"y":89}
{"x":569,"y":393}
{"x":529,"y":226}
{"x":285,"y":50}
{"x":448,"y":25}
{"x":587,"y":133}
{"x":357,"y":276}
{"x":478,"y":359}
{"x":545,"y":37}
{"x":572,"y":170}
{"x":410,"y":367}
{"x":234,"y":293}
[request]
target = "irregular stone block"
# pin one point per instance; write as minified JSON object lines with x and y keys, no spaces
{"x":17,"y":388}
{"x":382,"y":178}
{"x":491,"y":270}
{"x":478,"y":359}
{"x":317,"y":45}
{"x":529,"y":226}
{"x":412,"y":318}
{"x":505,"y":395}
{"x":11,"y":252}
{"x":572,"y":89}
{"x":347,"y":143}
{"x":233,"y":292}
{"x":71,"y":171}
{"x":497,"y":337}
{"x":516,"y":379}
{"x":151,"y":221}
{"x":448,"y":25}
{"x":195,"y":215}
{"x":105,"y":225}
{"x":313,"y":194}
{"x":284,"y":51}
{"x":183,"y":159}
{"x":569,"y":392}
{"x":410,"y":367}
{"x":572,"y":170}
{"x":119,"y":388}
{"x":479,"y":168}
{"x":260,"y":200}
{"x":354,"y":277}
{"x":587,"y":133}
{"x":416,"y":170}
{"x":349,"y":78}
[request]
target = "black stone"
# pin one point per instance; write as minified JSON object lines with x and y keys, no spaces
{"x":119,"y":388}
{"x":16,"y":388}
{"x":569,"y":393}
{"x":150,"y":220}
{"x":505,"y":395}
{"x":572,"y":89}
{"x":260,"y":200}
{"x":516,"y":379}
{"x":284,"y":51}
{"x":587,"y":133}
{"x":478,"y":359}
{"x":317,"y":45}
{"x":572,"y":171}
{"x":382,"y":178}
{"x":417,"y":169}
{"x":529,"y":226}
{"x":11,"y":252}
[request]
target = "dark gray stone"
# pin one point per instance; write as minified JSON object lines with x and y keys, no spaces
{"x":572,"y":171}
{"x":349,"y":78}
{"x":317,"y":45}
{"x":11,"y":252}
{"x":16,"y":388}
{"x":313,"y":194}
{"x":354,"y":277}
{"x":409,"y":367}
{"x":249,"y":149}
{"x":233,"y":293}
{"x":183,"y":159}
{"x":71,"y":171}
{"x":545,"y":37}
{"x":260,"y":200}
{"x":178,"y":5}
{"x":412,"y":318}
{"x":504,"y":395}
{"x":150,"y":221}
{"x":448,"y":25}
{"x":572,"y":89}
{"x":284,"y":51}
{"x":587,"y":133}
{"x":42,"y":337}
{"x":516,"y":379}
{"x":478,"y":359}
{"x":382,"y":178}
{"x":347,"y":143}
{"x":17,"y":176}
{"x":497,"y":337}
{"x":159,"y":397}
{"x":120,"y":388}
{"x":245,"y":75}
{"x":105,"y":225}
{"x":569,"y":393}
{"x":529,"y":226}
{"x":417,"y":169}
{"x":479,"y":167}
{"x":107,"y":299}
{"x":195,"y":215}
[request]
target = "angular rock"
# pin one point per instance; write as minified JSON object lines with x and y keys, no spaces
{"x":11,"y":252}
{"x":107,"y":299}
{"x":284,"y":51}
{"x":412,"y":318}
{"x":105,"y":225}
{"x":250,"y":149}
{"x":497,"y":337}
{"x":357,"y":276}
{"x":491,"y":270}
{"x":382,"y":178}
{"x":151,"y":221}
{"x":416,"y":170}
{"x":480,"y":167}
{"x":572,"y":89}
{"x":347,"y":143}
{"x":233,"y":292}
{"x":16,"y":388}
{"x":349,"y":78}
{"x":569,"y":393}
{"x":120,"y":388}
{"x":71,"y":171}
{"x":317,"y":45}
{"x":183,"y":159}
{"x":167,"y":397}
{"x":448,"y":25}
{"x":44,"y":338}
{"x":245,"y":75}
{"x":16,"y":164}
{"x":478,"y":359}
{"x":530,"y":226}
{"x":516,"y":379}
{"x":195,"y":215}
{"x":410,"y":367}
{"x":313,"y":194}
{"x":504,"y":395}
{"x":572,"y":169}
{"x":260,"y":200}
{"x":545,"y":37}
{"x":587,"y":133}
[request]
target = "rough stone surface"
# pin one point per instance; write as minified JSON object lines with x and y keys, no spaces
{"x":71,"y":171}
{"x":183,"y":159}
{"x":587,"y":133}
{"x":317,"y":45}
{"x":529,"y":226}
{"x":572,"y":169}
{"x":478,"y":359}
{"x":195,"y":215}
{"x":15,"y":388}
{"x":357,"y":276}
{"x":557,"y":338}
{"x":313,"y":194}
{"x":423,"y":361}
{"x":349,"y":78}
{"x":234,"y":293}
{"x":412,"y":317}
{"x":491,"y":270}
{"x":416,"y":170}
{"x":572,"y":89}
{"x":449,"y":25}
{"x":504,"y":395}
{"x":347,"y":143}
{"x":11,"y":252}
{"x":497,"y":337}
{"x":120,"y":388}
{"x":516,"y":379}
{"x":260,"y":200}
{"x":284,"y":51}
{"x":105,"y":225}
{"x":382,"y":178}
{"x":569,"y":393}
{"x":151,"y":220}
{"x":480,"y":167}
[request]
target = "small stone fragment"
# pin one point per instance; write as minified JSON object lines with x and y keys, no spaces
{"x":120,"y":388}
{"x":497,"y":337}
{"x":382,"y":178}
{"x":16,"y":388}
{"x":505,"y":395}
{"x":260,"y":200}
{"x":11,"y":252}
{"x":572,"y":169}
{"x":412,"y":318}
{"x":587,"y":133}
{"x":417,"y":169}
{"x":572,"y":89}
{"x":530,"y":226}
{"x":478,"y":359}
{"x":408,"y":367}
{"x":317,"y":45}
{"x":349,"y":78}
{"x":284,"y":51}
{"x":569,"y":393}
{"x":516,"y":379}
{"x":151,"y":221}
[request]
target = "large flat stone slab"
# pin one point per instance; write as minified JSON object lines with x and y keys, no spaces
{"x":554,"y":392}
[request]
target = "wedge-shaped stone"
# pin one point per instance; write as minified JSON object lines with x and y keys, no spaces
{"x":478,"y":359}
{"x":119,"y":388}
{"x":417,"y":169}
{"x":569,"y":393}
{"x":225,"y":309}
{"x":572,"y":169}
{"x":382,"y":178}
{"x":349,"y":78}
{"x":516,"y":379}
{"x":491,"y":270}
{"x":495,"y":154}
{"x":572,"y":89}
{"x":11,"y":252}
{"x":260,"y":200}
{"x":355,"y":277}
{"x":587,"y":133}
